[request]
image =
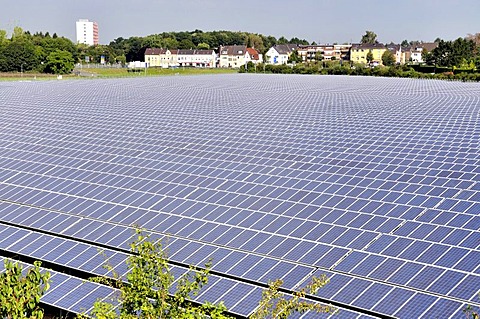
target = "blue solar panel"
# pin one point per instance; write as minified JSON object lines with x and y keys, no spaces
{"x":372,"y":179}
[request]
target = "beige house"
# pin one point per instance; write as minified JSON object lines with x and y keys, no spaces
{"x":165,"y":58}
{"x":233,"y":56}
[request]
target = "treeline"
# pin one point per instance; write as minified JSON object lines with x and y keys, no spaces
{"x":42,"y":52}
{"x":463,"y":53}
{"x":39,"y":52}
{"x":345,"y":68}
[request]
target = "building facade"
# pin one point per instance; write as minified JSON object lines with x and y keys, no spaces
{"x":328,"y":52}
{"x":165,"y":58}
{"x":197,"y":58}
{"x":358,"y":53}
{"x":87,"y":32}
{"x":233,"y":56}
{"x":279,"y":53}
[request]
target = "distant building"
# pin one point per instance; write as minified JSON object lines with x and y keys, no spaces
{"x":233,"y":56}
{"x":279,"y":53}
{"x":397,"y":52}
{"x":416,"y":51}
{"x":254,"y":56}
{"x":358,"y":53}
{"x":166,"y":58}
{"x":197,"y":58}
{"x":87,"y":32}
{"x":327,"y":52}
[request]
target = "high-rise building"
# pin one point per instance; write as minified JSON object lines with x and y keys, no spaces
{"x":87,"y":32}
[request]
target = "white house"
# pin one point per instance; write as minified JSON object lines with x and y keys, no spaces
{"x":417,"y":50}
{"x":197,"y":58}
{"x":279,"y":53}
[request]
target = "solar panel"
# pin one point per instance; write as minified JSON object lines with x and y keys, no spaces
{"x":373,"y":181}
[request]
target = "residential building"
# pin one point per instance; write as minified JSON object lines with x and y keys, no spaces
{"x":164,"y":58}
{"x":279,"y":53}
{"x":233,"y":56}
{"x":327,"y":51}
{"x":87,"y":32}
{"x":398,"y":52}
{"x":197,"y":58}
{"x":416,"y":51}
{"x":254,"y":56}
{"x":358,"y":53}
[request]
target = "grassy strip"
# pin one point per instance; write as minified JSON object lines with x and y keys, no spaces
{"x":113,"y":73}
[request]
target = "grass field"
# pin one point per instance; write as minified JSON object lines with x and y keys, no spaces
{"x":113,"y":73}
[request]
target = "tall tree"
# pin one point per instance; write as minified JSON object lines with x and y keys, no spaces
{"x":388,"y":58}
{"x":369,"y":56}
{"x":369,"y":37}
{"x":59,"y":62}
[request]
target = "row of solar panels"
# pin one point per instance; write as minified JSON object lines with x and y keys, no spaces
{"x":330,"y":191}
{"x":78,"y":296}
{"x":297,"y":228}
{"x":202,"y":199}
{"x":356,"y":268}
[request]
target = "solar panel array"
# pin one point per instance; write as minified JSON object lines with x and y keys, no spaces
{"x":372,"y":181}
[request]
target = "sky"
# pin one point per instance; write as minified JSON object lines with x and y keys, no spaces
{"x":322,"y":21}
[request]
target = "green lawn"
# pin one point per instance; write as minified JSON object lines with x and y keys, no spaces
{"x":112,"y":73}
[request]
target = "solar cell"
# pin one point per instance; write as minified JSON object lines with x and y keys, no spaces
{"x":374,"y":180}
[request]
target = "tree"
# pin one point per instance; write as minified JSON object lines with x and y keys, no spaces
{"x":186,"y":44}
{"x":3,"y":36}
{"x":404,"y":43}
{"x":147,"y":292}
{"x":282,"y":40}
{"x":453,"y":53}
{"x":369,"y":56}
{"x":369,"y":37}
{"x":203,"y":46}
{"x":318,"y":56}
{"x":59,"y":62}
{"x":20,"y":295}
{"x":275,"y":305}
{"x":18,"y":55}
{"x":294,"y":57}
{"x":388,"y":59}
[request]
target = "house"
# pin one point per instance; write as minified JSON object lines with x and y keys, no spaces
{"x":416,"y":51}
{"x":279,"y":53}
{"x":254,"y":56}
{"x":233,"y":56}
{"x":197,"y":58}
{"x":158,"y":57}
{"x":358,"y":53}
{"x":397,"y":52}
